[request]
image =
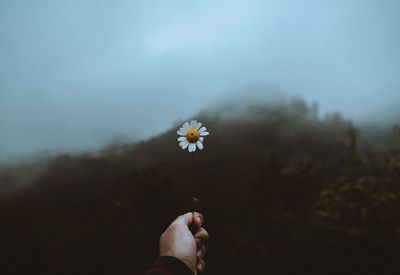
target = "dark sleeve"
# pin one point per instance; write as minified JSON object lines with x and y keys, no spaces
{"x":169,"y":266}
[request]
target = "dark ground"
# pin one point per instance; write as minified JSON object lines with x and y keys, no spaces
{"x":282,"y":191}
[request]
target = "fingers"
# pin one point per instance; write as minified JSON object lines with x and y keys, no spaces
{"x":201,"y":237}
{"x":201,"y":252}
{"x":200,"y":265}
{"x":197,"y":219}
{"x":201,"y":234}
{"x":191,"y":218}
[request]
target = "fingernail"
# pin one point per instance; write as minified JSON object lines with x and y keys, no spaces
{"x":199,"y":220}
{"x":199,"y":266}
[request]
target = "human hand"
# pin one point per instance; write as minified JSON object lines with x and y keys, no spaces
{"x":185,"y":240}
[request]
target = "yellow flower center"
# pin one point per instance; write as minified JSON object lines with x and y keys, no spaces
{"x":192,"y":135}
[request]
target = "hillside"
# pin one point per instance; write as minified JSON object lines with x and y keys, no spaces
{"x":283,"y":192}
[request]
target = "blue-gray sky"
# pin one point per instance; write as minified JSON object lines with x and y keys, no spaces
{"x":75,"y":74}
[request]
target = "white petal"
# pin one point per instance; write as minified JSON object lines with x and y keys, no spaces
{"x":199,"y":144}
{"x":193,"y":124}
{"x":201,"y":139}
{"x":184,"y":144}
{"x":181,"y":138}
{"x":204,"y":133}
{"x":192,"y":147}
{"x":198,"y":125}
{"x":202,"y":129}
{"x":181,"y":133}
{"x":186,"y":125}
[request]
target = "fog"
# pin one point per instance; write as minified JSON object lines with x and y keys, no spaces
{"x":76,"y":75}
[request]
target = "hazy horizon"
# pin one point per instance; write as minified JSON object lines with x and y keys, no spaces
{"x":74,"y":75}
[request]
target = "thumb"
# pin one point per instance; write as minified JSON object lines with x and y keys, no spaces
{"x":185,"y":218}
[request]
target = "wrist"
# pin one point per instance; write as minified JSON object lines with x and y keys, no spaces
{"x":182,"y":258}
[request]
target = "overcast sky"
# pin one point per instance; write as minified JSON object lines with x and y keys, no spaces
{"x":76,"y":74}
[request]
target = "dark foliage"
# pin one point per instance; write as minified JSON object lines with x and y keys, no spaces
{"x":283,"y":192}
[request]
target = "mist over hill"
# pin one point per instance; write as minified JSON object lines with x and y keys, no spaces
{"x":75,"y":74}
{"x":283,"y":191}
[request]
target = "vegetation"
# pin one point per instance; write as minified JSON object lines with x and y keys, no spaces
{"x":283,"y":192}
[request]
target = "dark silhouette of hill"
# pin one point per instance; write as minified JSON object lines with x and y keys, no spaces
{"x":283,"y":192}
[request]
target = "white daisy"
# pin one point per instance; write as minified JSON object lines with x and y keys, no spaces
{"x":192,"y":135}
